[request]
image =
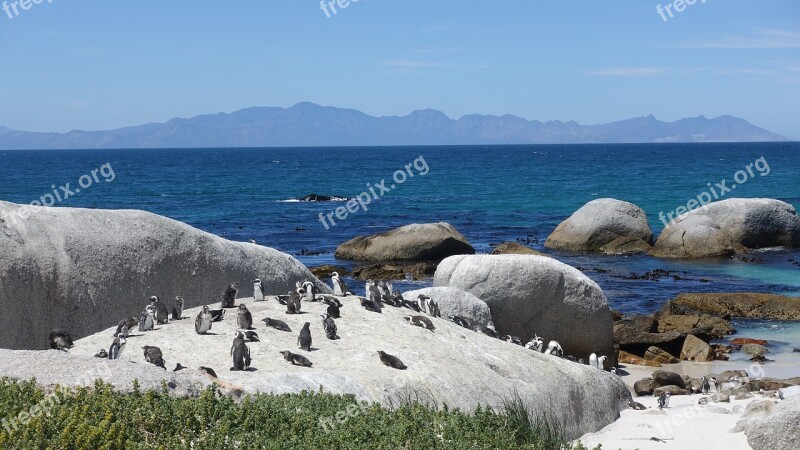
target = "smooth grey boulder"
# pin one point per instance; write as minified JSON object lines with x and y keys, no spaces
{"x":450,"y":365}
{"x":730,"y":226}
{"x":415,"y":242}
{"x":598,"y":223}
{"x":779,"y":430}
{"x":84,"y":269}
{"x":530,"y":295}
{"x":455,"y":302}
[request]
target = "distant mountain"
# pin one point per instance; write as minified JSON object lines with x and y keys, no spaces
{"x":307,"y":124}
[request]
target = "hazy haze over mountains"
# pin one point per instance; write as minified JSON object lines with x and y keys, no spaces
{"x":308,"y":124}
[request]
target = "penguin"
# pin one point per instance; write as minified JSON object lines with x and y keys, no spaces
{"x":331,"y":300}
{"x":593,"y":360}
{"x":101,"y":354}
{"x":60,"y":340}
{"x":636,"y":405}
{"x":381,"y":286}
{"x":712,"y":383}
{"x":372,"y":293}
{"x":251,"y":336}
{"x":554,"y":348}
{"x":202,"y":324}
{"x":207,"y":370}
{"x":433,"y":308}
{"x":293,"y":305}
{"x":179,"y":367}
{"x":217,"y":315}
{"x":125,"y":325}
{"x":391,"y":360}
{"x":311,"y":291}
{"x":161,"y":313}
{"x":333,"y":309}
{"x":460,"y":321}
{"x":177,"y":308}
{"x":420,"y":321}
{"x":513,"y":339}
{"x":304,"y":340}
{"x":147,"y":319}
{"x":277,"y":324}
{"x":240,"y":353}
{"x":423,"y":303}
{"x":154,"y":356}
{"x":330,"y":326}
{"x":411,"y":305}
{"x":369,"y":305}
{"x":601,"y":362}
{"x":259,"y":292}
{"x":397,"y":299}
{"x":705,"y":386}
{"x":283,"y":299}
{"x":339,"y":288}
{"x":229,"y":297}
{"x":295,"y":359}
{"x":535,"y":344}
{"x":244,"y":319}
{"x":663,"y":400}
{"x":480,"y":328}
{"x":115,"y":351}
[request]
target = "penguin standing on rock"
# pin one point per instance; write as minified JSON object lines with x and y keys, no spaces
{"x":259,"y":291}
{"x":311,"y":291}
{"x":333,"y":309}
{"x":147,"y":319}
{"x":125,"y":325}
{"x":304,"y":340}
{"x":330,"y":327}
{"x":663,"y":400}
{"x":60,"y":340}
{"x":115,"y":351}
{"x":705,"y":386}
{"x":161,"y":312}
{"x":202,"y":323}
{"x":339,"y":288}
{"x":244,"y":318}
{"x":177,"y":308}
{"x":240,"y":353}
{"x":229,"y":297}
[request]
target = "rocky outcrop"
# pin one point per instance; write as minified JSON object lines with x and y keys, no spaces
{"x":455,"y":302}
{"x":714,"y":326}
{"x":730,"y":226}
{"x":394,"y":271}
{"x":598,"y":223}
{"x":512,"y":248}
{"x":778,"y":430}
{"x":637,"y":334}
{"x":754,"y":349}
{"x":695,"y":349}
{"x":415,"y":242}
{"x":741,"y":304}
{"x":536,"y":295}
{"x":83,"y":269}
{"x":626,"y":245}
{"x":485,"y":370}
{"x":660,"y":356}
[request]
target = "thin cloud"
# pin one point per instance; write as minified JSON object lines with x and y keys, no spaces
{"x":410,"y":64}
{"x":627,"y":72}
{"x":761,"y":38}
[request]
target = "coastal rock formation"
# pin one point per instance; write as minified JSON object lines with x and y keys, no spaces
{"x":636,"y":334}
{"x":598,"y":223}
{"x":741,"y":304}
{"x":485,"y":370}
{"x":84,"y":270}
{"x":716,"y":327}
{"x":530,"y":295}
{"x":394,"y":271}
{"x":660,"y":356}
{"x":730,"y":226}
{"x":778,"y":430}
{"x":626,"y":245}
{"x":695,"y":349}
{"x":415,"y":242}
{"x":512,"y":248}
{"x":455,"y":302}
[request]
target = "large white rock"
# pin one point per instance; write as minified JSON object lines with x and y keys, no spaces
{"x":455,"y":302}
{"x":530,"y":294}
{"x":84,"y":270}
{"x":450,"y":365}
{"x":414,"y":242}
{"x":730,"y":226}
{"x":780,"y":430}
{"x":598,"y":223}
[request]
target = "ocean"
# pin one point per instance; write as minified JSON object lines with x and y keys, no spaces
{"x":491,"y":194}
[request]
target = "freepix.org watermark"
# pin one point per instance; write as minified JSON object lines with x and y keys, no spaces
{"x":16,"y":7}
{"x":374,"y":192}
{"x":329,"y":6}
{"x":677,"y":5}
{"x":718,"y":190}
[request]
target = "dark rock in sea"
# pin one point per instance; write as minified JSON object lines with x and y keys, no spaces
{"x":307,"y":252}
{"x":741,"y":304}
{"x":322,"y":198}
{"x":598,"y":223}
{"x":324,"y":272}
{"x":796,"y":350}
{"x":512,"y":248}
{"x":744,"y":340}
{"x":626,"y":245}
{"x":715,"y":326}
{"x":395,"y":271}
{"x":415,"y":242}
{"x":760,"y":358}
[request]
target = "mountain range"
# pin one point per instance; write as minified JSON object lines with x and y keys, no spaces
{"x":308,"y":124}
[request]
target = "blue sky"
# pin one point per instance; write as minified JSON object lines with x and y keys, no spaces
{"x":95,"y":64}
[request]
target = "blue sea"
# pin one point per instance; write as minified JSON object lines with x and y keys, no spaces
{"x":491,"y":194}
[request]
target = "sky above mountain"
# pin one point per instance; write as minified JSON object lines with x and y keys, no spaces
{"x":96,"y":65}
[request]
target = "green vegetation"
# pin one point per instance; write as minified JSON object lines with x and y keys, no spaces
{"x":99,"y":418}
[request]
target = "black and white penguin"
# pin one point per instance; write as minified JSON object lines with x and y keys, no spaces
{"x":397,"y":299}
{"x":433,"y":308}
{"x":177,"y":308}
{"x":411,"y":304}
{"x":102,"y":353}
{"x":310,"y":290}
{"x":244,"y":319}
{"x":372,"y":293}
{"x":712,"y":384}
{"x":295,"y":359}
{"x":391,"y":360}
{"x":154,"y":356}
{"x":535,"y":344}
{"x":60,"y":339}
{"x":663,"y":400}
{"x":240,"y":353}
{"x":229,"y":297}
{"x":115,"y":351}
{"x":420,"y":321}
{"x":339,"y":288}
{"x":277,"y":324}
{"x":333,"y":308}
{"x":330,"y":326}
{"x":161,"y":312}
{"x":251,"y":336}
{"x":202,"y":324}
{"x":601,"y":362}
{"x":481,"y":328}
{"x":293,"y":305}
{"x":554,"y":348}
{"x":147,"y":319}
{"x":259,"y":291}
{"x":593,"y":360}
{"x":460,"y":321}
{"x":125,"y":326}
{"x":705,"y":386}
{"x":422,"y":300}
{"x":304,"y":340}
{"x":370,"y":305}
{"x":217,"y":315}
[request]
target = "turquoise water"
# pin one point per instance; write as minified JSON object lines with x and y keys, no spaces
{"x":491,"y":194}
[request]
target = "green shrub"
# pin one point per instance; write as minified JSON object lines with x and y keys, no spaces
{"x":99,"y":418}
